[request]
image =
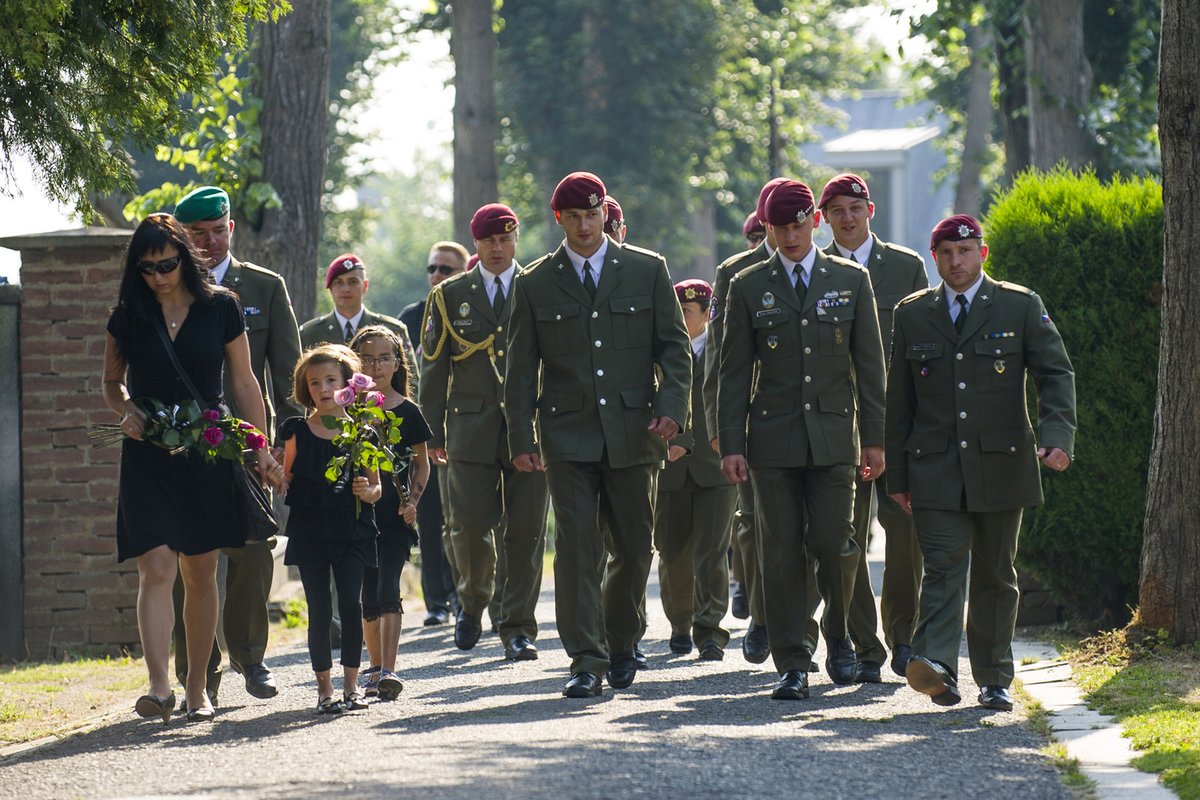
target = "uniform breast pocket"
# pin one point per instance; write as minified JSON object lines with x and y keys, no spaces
{"x":256,"y":324}
{"x":773,"y":335}
{"x":999,"y":365}
{"x":833,"y":331}
{"x":468,"y":329}
{"x":632,"y":321}
{"x":927,"y":364}
{"x":560,"y":329}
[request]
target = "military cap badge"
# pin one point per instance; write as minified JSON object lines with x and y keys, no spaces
{"x":856,"y":188}
{"x":689,"y":293}
{"x":594,"y":199}
{"x":801,"y":216}
{"x":964,"y":231}
{"x":223,"y":207}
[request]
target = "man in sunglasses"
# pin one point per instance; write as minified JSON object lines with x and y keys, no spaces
{"x":446,"y":259}
{"x":274,"y":349}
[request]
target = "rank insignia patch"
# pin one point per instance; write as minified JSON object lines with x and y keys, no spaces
{"x":464,"y":309}
{"x":768,"y":300}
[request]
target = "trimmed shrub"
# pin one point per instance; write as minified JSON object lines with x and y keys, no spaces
{"x":1094,"y":252}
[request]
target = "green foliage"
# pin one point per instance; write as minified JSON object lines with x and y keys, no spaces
{"x":78,"y":80}
{"x":1093,"y":251}
{"x":295,"y":613}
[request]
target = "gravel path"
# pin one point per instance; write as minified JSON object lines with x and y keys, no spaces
{"x":470,"y":725}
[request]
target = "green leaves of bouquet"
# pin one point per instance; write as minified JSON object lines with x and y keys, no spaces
{"x":183,"y":427}
{"x":365,"y":437}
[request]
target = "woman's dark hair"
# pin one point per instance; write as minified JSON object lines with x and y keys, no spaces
{"x":135,"y":298}
{"x":402,"y":377}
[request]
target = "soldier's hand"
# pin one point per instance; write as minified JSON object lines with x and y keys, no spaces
{"x":438,"y":456}
{"x":904,"y":500}
{"x":528,"y":462}
{"x":871,"y":465}
{"x":664,"y":427}
{"x":1054,"y":458}
{"x":734,"y":467}
{"x":675,"y":452}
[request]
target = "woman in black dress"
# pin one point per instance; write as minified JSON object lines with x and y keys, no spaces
{"x":175,"y":510}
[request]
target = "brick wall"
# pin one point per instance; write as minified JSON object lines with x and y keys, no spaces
{"x":76,"y":596}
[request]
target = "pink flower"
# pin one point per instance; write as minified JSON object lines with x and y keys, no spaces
{"x":246,"y":426}
{"x":211,"y":414}
{"x":256,"y":441}
{"x":361,"y":382}
{"x":344,"y":396}
{"x":214,"y":436}
{"x":376,"y":399}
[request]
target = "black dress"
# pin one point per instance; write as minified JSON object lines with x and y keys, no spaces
{"x":414,"y":430}
{"x":322,"y":526}
{"x":180,"y":501}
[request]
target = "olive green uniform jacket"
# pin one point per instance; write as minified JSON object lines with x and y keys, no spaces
{"x":596,"y":390}
{"x":896,"y":272}
{"x":325,"y":330}
{"x":957,"y":423}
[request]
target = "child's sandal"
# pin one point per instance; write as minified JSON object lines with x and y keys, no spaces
{"x":327,"y":705}
{"x":354,"y":702}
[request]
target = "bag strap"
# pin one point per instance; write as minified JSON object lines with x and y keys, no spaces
{"x":179,"y":370}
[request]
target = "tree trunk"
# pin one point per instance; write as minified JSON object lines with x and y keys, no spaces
{"x":702,"y":233}
{"x":1059,"y":82}
{"x":476,"y":126}
{"x":968,"y":197}
{"x":1010,"y":75}
{"x":293,"y":83}
{"x":1170,"y":570}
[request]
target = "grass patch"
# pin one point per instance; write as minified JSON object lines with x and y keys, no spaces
{"x":41,"y":699}
{"x":1152,"y":687}
{"x":295,"y":613}
{"x":1038,"y":720}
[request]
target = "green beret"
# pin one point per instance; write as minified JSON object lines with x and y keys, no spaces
{"x":202,"y":204}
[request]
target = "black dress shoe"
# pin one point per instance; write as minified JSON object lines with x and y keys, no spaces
{"x":711,"y":651}
{"x":901,"y":655}
{"x":996,"y":698}
{"x":260,"y":682}
{"x":793,"y":685}
{"x":583,"y":684}
{"x":439,"y":616}
{"x":622,"y":671}
{"x":639,"y":658}
{"x":840,"y":661}
{"x":756,"y":647}
{"x":868,"y":672}
{"x":520,"y":649}
{"x":931,"y":678}
{"x":739,"y":601}
{"x":466,"y":631}
{"x":680,"y":643}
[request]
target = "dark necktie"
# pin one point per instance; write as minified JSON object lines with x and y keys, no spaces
{"x":801,"y":289}
{"x":852,"y":258}
{"x":961,"y":319}
{"x":349,"y":331}
{"x":589,"y":280}
{"x":498,"y":298}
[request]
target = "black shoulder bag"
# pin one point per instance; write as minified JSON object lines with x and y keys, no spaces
{"x":252,"y":502}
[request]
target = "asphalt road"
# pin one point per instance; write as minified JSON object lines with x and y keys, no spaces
{"x":470,"y":725}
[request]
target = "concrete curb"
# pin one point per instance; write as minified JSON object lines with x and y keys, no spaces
{"x":1094,"y":739}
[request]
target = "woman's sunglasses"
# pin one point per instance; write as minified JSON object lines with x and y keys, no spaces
{"x":161,"y":267}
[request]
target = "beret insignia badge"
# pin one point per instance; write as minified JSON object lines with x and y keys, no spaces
{"x":857,"y":189}
{"x":801,"y":216}
{"x":223,"y":207}
{"x":689,"y":293}
{"x":348,"y":263}
{"x":594,"y":199}
{"x":509,"y":225}
{"x":964,"y":231}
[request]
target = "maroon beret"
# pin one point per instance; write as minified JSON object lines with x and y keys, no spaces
{"x":492,"y":220}
{"x":472,"y":261}
{"x":347,"y":262}
{"x":763,"y":194}
{"x":790,"y":201}
{"x":693,"y":290}
{"x":753,"y":225}
{"x":847,"y":184}
{"x":955,"y":229}
{"x":578,"y":190}
{"x":615,"y":218}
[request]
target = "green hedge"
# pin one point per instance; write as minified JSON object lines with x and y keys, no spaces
{"x":1093,"y":251}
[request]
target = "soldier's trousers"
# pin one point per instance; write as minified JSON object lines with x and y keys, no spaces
{"x":595,"y":624}
{"x":691,"y":535}
{"x":437,"y":580}
{"x":498,"y":513}
{"x":804,"y":512}
{"x":863,"y":616}
{"x":902,"y":567}
{"x":985,"y":544}
{"x":244,"y":618}
{"x":745,"y":542}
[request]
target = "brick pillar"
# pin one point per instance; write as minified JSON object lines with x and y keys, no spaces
{"x":76,"y":596}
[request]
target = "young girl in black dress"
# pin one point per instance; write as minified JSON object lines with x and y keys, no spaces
{"x":383,"y":360}
{"x":328,"y":532}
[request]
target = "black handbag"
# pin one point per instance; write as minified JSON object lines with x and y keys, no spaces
{"x":252,"y":502}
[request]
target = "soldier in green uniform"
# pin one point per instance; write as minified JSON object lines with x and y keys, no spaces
{"x":274,"y":349}
{"x":799,"y":407}
{"x":346,"y":280}
{"x":896,"y":272}
{"x":592,"y":322}
{"x":693,"y":510}
{"x":963,"y":456}
{"x":498,"y":513}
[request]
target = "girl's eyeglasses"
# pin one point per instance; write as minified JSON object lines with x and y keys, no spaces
{"x":382,"y":361}
{"x":161,"y":267}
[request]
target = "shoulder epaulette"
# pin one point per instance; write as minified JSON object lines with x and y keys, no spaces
{"x":1015,"y":287}
{"x":917,"y":295}
{"x":641,"y":251}
{"x":535,"y":264}
{"x":902,"y":250}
